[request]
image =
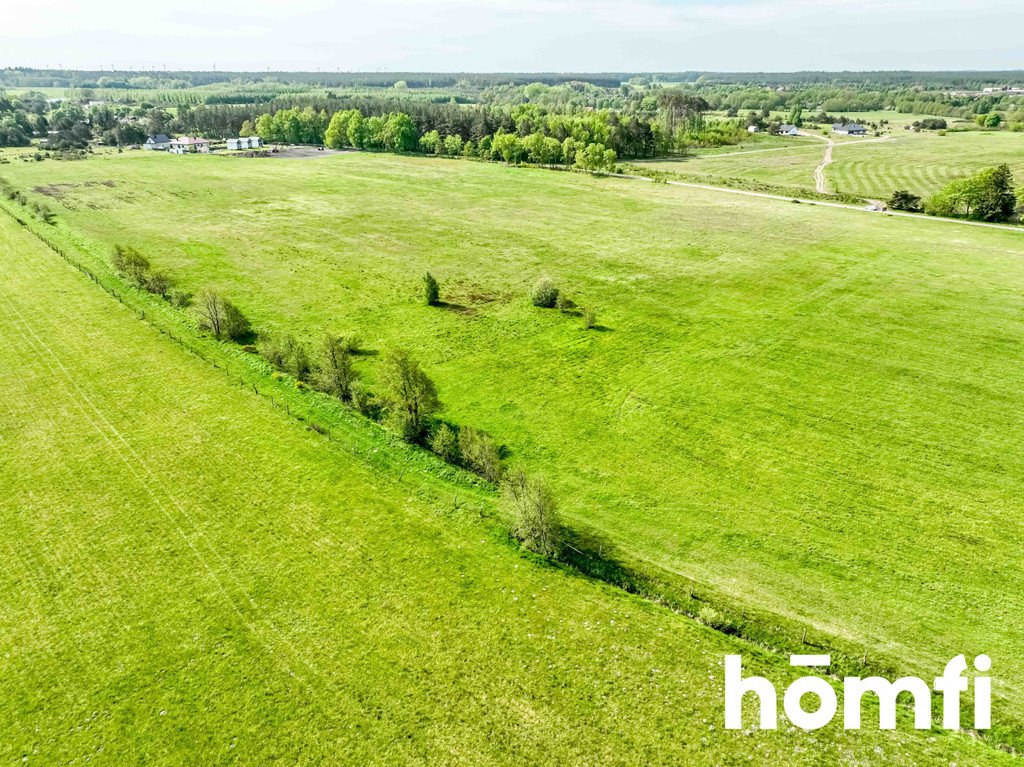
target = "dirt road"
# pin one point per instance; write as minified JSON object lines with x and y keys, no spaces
{"x":820,"y":182}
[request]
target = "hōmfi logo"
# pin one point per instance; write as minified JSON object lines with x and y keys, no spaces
{"x":951,"y":684}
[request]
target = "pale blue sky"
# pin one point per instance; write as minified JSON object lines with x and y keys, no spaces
{"x":515,"y":35}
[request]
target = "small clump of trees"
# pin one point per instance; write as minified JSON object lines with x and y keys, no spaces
{"x":222,"y":318}
{"x":337,"y":376}
{"x":533,"y":514}
{"x":287,"y":354}
{"x":409,"y":395}
{"x":985,"y":196}
{"x":903,"y":199}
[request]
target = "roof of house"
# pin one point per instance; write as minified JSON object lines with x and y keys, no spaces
{"x":848,"y":127}
{"x":788,"y":128}
{"x":190,"y":140}
{"x":159,"y":138}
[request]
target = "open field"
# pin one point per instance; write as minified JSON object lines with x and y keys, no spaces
{"x":193,"y":577}
{"x":807,"y":411}
{"x":789,"y":165}
{"x":922,"y":162}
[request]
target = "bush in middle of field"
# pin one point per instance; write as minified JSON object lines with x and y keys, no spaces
{"x":545,"y":294}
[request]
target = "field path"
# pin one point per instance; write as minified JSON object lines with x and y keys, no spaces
{"x":820,"y":182}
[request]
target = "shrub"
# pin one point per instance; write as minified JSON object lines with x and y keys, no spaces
{"x":444,"y":442}
{"x":221,"y":317}
{"x":589,"y":319}
{"x":431,"y":290}
{"x":272,"y":350}
{"x":132,"y":264}
{"x":180,"y":298}
{"x":563,"y":303}
{"x":287,"y":354}
{"x":211,"y":312}
{"x":710,"y":617}
{"x":236,"y":325}
{"x":903,"y":200}
{"x":545,"y":294}
{"x":336,"y":371}
{"x":480,"y":453}
{"x":158,"y":283}
{"x":533,"y":512}
{"x":364,"y":401}
{"x":43,"y":212}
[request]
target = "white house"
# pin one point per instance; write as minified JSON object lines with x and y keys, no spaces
{"x":252,"y":142}
{"x":789,"y":130}
{"x":159,"y":141}
{"x":189,"y":145}
{"x":849,"y":129}
{"x":753,"y":129}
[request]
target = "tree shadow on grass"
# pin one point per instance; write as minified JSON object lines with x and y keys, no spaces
{"x":453,"y":307}
{"x":596,"y":556}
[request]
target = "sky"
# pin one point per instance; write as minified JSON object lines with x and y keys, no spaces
{"x":514,"y":35}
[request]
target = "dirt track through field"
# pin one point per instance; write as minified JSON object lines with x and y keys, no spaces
{"x":820,"y":182}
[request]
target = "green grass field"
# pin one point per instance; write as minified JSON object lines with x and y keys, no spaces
{"x":922,"y":162}
{"x":193,"y":577}
{"x":808,"y":412}
{"x":790,"y":164}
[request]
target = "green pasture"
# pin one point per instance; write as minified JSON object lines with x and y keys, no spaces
{"x":921,"y":162}
{"x":193,"y":577}
{"x":807,"y":411}
{"x":791,"y":164}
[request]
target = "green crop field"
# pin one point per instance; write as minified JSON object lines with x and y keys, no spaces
{"x":922,"y":162}
{"x":807,"y":412}
{"x":193,"y":577}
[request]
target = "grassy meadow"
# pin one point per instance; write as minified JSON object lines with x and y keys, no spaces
{"x":194,"y":577}
{"x":790,"y":164}
{"x":922,"y":162}
{"x":807,"y":412}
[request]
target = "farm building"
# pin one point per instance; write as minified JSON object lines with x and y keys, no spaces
{"x":189,"y":145}
{"x":252,"y":142}
{"x":159,"y":141}
{"x":788,"y":130}
{"x":849,"y":129}
{"x":753,"y":129}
